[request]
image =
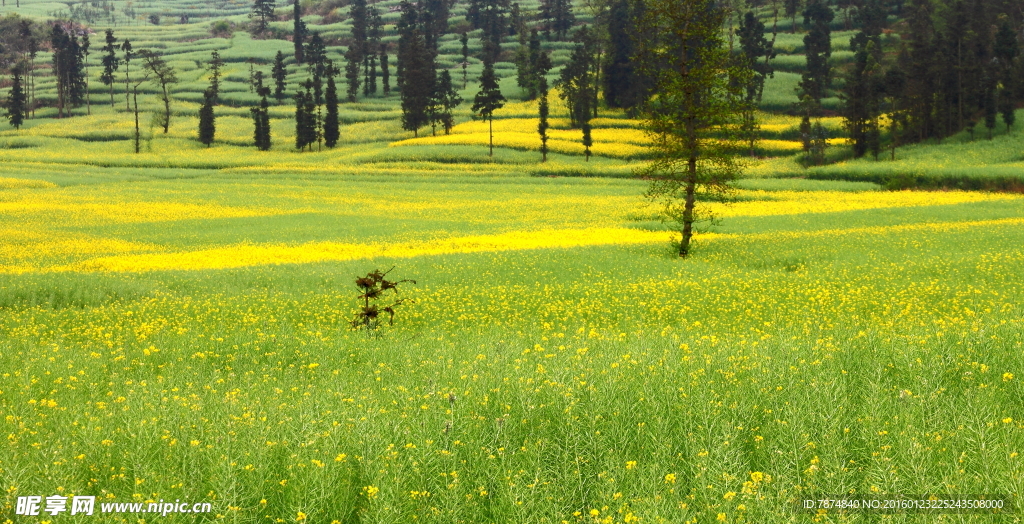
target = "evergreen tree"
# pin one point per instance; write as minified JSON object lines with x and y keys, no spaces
{"x":864,"y":89}
{"x":68,"y":69}
{"x":280,"y":76}
{"x":261,"y":114}
{"x":262,"y":14}
{"x":408,"y":31}
{"x":696,"y":102}
{"x":919,"y":61}
{"x":1006,"y":49}
{"x":492,"y":20}
{"x":355,"y":56}
{"x":446,"y":100}
{"x":620,"y":78}
{"x":305,"y":117}
{"x":298,"y":33}
{"x":755,"y":48}
{"x":28,"y":37}
{"x":331,"y":130}
{"x":464,"y":40}
{"x":85,"y":72}
{"x":110,"y":62}
{"x":488,"y":100}
{"x":300,"y":120}
{"x":216,"y":63}
{"x":207,"y":125}
{"x":542,"y":125}
{"x":792,"y":8}
{"x":16,"y":100}
{"x":126,"y":48}
{"x":817,"y":78}
{"x":385,"y":73}
{"x":370,"y":55}
{"x":418,"y":84}
{"x":434,"y":22}
{"x":576,"y":81}
{"x":353,"y":67}
{"x":895,"y":85}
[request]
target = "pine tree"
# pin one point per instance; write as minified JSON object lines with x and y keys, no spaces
{"x":434,"y":21}
{"x":126,"y":47}
{"x":576,"y":81}
{"x":792,"y":9}
{"x":207,"y":125}
{"x":418,"y":84}
{"x":262,"y":14}
{"x":370,"y":55}
{"x":85,"y":72}
{"x":216,"y":63}
{"x":298,"y":32}
{"x":755,"y":48}
{"x":16,"y":100}
{"x":68,"y":69}
{"x":446,"y":100}
{"x":1006,"y":49}
{"x":110,"y":62}
{"x":385,"y":73}
{"x":864,"y":88}
{"x":32,"y":48}
{"x":488,"y":100}
{"x":280,"y":76}
{"x":464,"y":40}
{"x":300,"y":120}
{"x":895,"y":85}
{"x":542,"y":125}
{"x":355,"y":56}
{"x":696,"y":102}
{"x":331,"y":131}
{"x":817,"y":79}
{"x":261,"y":114}
{"x":407,"y":28}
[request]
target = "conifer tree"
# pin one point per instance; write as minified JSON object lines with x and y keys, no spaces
{"x":696,"y":103}
{"x":216,"y":63}
{"x":757,"y":53}
{"x":16,"y":100}
{"x":817,"y":78}
{"x":369,"y":54}
{"x":488,"y":100}
{"x":355,"y":56}
{"x":126,"y":48}
{"x":792,"y":8}
{"x":464,"y":40}
{"x":418,"y":84}
{"x":446,"y":100}
{"x":110,"y":62}
{"x":261,"y":114}
{"x":385,"y":73}
{"x":280,"y":76}
{"x":85,"y":72}
{"x":262,"y":14}
{"x":207,"y":124}
{"x":1006,"y":50}
{"x":68,"y":69}
{"x":331,"y":131}
{"x":298,"y":32}
{"x":542,"y":125}
{"x":576,"y":82}
{"x":32,"y":49}
{"x":407,"y":28}
{"x":434,"y":22}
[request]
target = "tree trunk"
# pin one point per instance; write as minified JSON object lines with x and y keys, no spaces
{"x":490,"y":127}
{"x":691,"y":190}
{"x":137,"y":137}
{"x":167,"y":110}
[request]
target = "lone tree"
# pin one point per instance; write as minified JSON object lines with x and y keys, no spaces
{"x":110,"y":62}
{"x":697,"y":104}
{"x":262,"y":14}
{"x":126,"y":47}
{"x":488,"y":100}
{"x":164,"y":75}
{"x":207,"y":126}
{"x":16,"y":100}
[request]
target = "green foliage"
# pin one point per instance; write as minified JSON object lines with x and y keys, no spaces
{"x":488,"y":99}
{"x":261,"y":15}
{"x":16,"y":100}
{"x":817,"y":79}
{"x":207,"y":124}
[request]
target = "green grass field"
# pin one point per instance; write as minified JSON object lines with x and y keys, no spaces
{"x":175,"y":324}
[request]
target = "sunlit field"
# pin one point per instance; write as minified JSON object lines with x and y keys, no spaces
{"x":177,"y":324}
{"x":189,"y":339}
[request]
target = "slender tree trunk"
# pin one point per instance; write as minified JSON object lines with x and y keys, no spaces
{"x":127,"y":89}
{"x":691,"y":191}
{"x":167,"y":110}
{"x":490,"y":127}
{"x":137,"y":137}
{"x":111,"y":95}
